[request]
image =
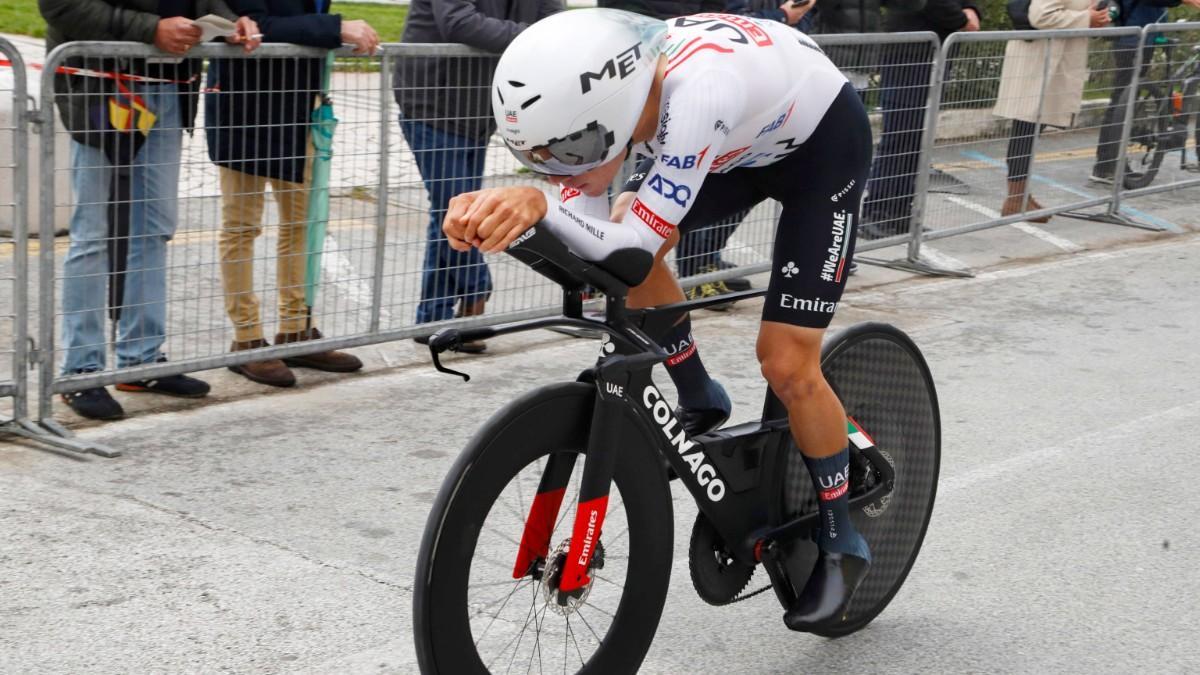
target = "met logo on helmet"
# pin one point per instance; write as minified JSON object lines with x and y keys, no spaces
{"x":620,"y":66}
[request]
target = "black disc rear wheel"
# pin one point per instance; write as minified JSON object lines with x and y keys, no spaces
{"x":884,"y":384}
{"x":474,"y":614}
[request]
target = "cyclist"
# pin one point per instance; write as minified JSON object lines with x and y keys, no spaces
{"x":731,"y":111}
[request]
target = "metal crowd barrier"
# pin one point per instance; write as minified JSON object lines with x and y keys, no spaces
{"x":13,"y":260}
{"x":239,"y":267}
{"x":985,"y":135}
{"x":1165,"y":109}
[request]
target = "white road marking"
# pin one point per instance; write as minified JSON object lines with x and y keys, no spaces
{"x":1026,"y":227}
{"x":944,"y":260}
{"x":1076,"y":446}
{"x":938,"y":285}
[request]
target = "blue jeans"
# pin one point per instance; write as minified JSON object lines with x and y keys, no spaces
{"x":904,"y":90}
{"x":449,"y":165}
{"x":154,"y":181}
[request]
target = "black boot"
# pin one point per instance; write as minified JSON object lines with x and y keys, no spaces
{"x":827,"y":594}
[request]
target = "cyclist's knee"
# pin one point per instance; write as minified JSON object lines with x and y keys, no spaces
{"x":792,"y":382}
{"x":790,"y":360}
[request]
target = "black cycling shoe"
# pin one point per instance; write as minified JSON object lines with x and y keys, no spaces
{"x":94,"y":404}
{"x":827,"y":594}
{"x":696,"y":422}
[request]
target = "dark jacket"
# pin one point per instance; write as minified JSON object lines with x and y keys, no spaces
{"x":452,"y":93}
{"x":1141,"y":13}
{"x":940,"y":16}
{"x":667,"y":9}
{"x":258,"y":112}
{"x":124,"y":20}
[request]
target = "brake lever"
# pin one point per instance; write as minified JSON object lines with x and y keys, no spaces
{"x":437,"y":363}
{"x":437,"y":346}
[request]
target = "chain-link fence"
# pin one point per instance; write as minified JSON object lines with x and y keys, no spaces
{"x":13,"y":263}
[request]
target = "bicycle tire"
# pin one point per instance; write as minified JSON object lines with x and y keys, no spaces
{"x":1151,"y":120}
{"x":552,"y":419}
{"x":884,"y":384}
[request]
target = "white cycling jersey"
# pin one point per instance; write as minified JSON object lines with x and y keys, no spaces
{"x":737,"y":93}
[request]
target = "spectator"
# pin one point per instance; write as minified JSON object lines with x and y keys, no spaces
{"x":1025,"y":73}
{"x":904,"y":91}
{"x":446,"y":117}
{"x":101,"y":142}
{"x":257,"y":117}
{"x":1130,"y":13}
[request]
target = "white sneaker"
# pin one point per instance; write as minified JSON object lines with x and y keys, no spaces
{"x":1099,"y":178}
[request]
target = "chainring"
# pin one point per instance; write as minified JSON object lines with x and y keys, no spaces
{"x":717,"y":576}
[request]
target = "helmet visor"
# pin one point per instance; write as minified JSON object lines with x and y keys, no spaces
{"x":571,"y":155}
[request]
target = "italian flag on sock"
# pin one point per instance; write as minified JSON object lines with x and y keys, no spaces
{"x":858,"y":437}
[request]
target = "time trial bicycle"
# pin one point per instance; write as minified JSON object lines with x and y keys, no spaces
{"x":507,"y":580}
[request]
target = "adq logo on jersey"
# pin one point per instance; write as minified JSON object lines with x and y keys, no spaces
{"x":704,"y":472}
{"x":676,"y":192}
{"x":621,"y":66}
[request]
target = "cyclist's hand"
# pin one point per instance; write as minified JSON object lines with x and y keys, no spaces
{"x":1099,"y":18}
{"x":497,"y":216}
{"x":454,"y":224}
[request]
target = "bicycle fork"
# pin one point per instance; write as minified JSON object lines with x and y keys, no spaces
{"x":604,"y":441}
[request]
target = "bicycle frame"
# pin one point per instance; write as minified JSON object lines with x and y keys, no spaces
{"x":722,"y":470}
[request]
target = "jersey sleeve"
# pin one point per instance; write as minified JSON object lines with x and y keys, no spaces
{"x":695,"y":120}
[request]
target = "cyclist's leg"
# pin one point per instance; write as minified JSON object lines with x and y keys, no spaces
{"x":814,"y":244}
{"x":703,"y":403}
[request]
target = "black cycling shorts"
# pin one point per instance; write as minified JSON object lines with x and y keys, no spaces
{"x":820,"y":186}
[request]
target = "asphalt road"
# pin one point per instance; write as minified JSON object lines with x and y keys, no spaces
{"x":279,"y":533}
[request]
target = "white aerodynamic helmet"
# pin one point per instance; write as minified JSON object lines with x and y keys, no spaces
{"x":569,"y":89}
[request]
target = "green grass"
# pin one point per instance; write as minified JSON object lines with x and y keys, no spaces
{"x":23,"y":18}
{"x":387,"y":20}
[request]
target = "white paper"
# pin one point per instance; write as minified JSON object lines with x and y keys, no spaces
{"x":214,"y":26}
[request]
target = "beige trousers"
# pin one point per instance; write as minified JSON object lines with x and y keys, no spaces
{"x":242,"y":197}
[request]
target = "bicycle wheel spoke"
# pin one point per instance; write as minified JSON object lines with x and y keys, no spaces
{"x":537,"y":640}
{"x":497,"y":614}
{"x":607,"y":581}
{"x":520,"y":634}
{"x":578,"y":651}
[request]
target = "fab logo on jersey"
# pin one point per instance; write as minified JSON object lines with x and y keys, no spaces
{"x":683,"y":161}
{"x":676,"y":192}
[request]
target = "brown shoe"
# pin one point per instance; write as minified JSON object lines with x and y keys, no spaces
{"x":1016,"y":199}
{"x":471,"y":309}
{"x":330,"y":361}
{"x":272,"y":372}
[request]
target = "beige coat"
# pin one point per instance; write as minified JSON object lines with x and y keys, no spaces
{"x":1022,"y":73}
